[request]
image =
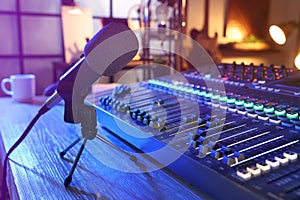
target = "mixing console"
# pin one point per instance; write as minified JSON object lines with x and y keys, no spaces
{"x":233,"y":135}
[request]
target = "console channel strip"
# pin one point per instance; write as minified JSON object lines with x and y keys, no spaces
{"x":232,"y":136}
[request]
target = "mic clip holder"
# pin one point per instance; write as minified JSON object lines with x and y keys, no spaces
{"x":76,"y":112}
{"x":73,"y":101}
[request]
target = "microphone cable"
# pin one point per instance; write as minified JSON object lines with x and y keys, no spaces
{"x":4,"y":188}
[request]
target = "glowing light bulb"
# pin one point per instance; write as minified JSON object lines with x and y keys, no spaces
{"x":75,"y":11}
{"x":297,"y":61}
{"x":235,"y":33}
{"x":277,"y":34}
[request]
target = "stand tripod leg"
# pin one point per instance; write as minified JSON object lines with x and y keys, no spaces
{"x":68,"y":180}
{"x":62,"y":153}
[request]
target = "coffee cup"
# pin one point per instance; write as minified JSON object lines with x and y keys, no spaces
{"x":22,"y":87}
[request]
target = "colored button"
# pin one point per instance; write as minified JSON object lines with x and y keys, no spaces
{"x":231,"y":100}
{"x":223,"y":98}
{"x":208,"y":95}
{"x":194,"y":144}
{"x":201,"y":93}
{"x":244,"y":174}
{"x":229,"y":160}
{"x":263,"y":166}
{"x":146,"y":121}
{"x":280,"y":112}
{"x":203,"y":150}
{"x":249,"y":104}
{"x":292,"y":156}
{"x":254,"y":170}
{"x":269,"y":109}
{"x":215,"y":97}
{"x":216,"y":154}
{"x":258,"y":106}
{"x":292,"y":115}
{"x":207,"y":76}
{"x":282,"y":159}
{"x":272,"y":162}
{"x":239,"y":102}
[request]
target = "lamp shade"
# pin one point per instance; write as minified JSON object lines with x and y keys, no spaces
{"x":67,"y":2}
{"x":280,"y":33}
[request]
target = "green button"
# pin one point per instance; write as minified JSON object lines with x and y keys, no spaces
{"x":190,"y":90}
{"x":280,"y":112}
{"x":175,"y":87}
{"x":186,"y":89}
{"x":163,"y":84}
{"x":215,"y":97}
{"x":208,"y":95}
{"x":292,"y":115}
{"x":181,"y":88}
{"x":258,"y":106}
{"x":249,"y":104}
{"x":223,"y":98}
{"x":201,"y":93}
{"x":207,"y":76}
{"x":151,"y":81}
{"x":194,"y":91}
{"x":231,"y":100}
{"x":239,"y":102}
{"x":269,"y":109}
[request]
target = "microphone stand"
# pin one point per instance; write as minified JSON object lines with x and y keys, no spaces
{"x":89,"y":132}
{"x":77,"y":112}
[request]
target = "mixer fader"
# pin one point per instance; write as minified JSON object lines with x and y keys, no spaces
{"x":234,"y":135}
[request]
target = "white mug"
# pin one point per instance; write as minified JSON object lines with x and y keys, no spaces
{"x":22,"y":87}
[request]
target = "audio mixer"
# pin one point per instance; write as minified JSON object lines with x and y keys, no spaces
{"x":234,"y":134}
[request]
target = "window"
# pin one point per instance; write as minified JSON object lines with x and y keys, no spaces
{"x":32,"y":38}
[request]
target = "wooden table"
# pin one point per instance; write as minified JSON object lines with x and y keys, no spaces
{"x":36,"y":170}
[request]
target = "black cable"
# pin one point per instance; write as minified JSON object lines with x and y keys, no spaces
{"x":16,"y":144}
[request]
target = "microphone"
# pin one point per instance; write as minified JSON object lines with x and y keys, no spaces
{"x":106,"y":53}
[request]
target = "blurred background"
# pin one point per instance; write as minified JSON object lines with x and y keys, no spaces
{"x":44,"y":37}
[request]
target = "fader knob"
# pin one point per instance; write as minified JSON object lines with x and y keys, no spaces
{"x":216,"y":154}
{"x":123,"y":109}
{"x":280,"y":112}
{"x":292,"y":115}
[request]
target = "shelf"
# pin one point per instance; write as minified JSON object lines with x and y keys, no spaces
{"x":247,"y":47}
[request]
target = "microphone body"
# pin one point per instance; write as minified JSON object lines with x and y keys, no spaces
{"x":105,"y":54}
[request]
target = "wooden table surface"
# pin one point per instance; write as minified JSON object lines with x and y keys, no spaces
{"x":36,"y":170}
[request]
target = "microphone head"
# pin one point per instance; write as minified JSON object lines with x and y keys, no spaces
{"x":111,"y":49}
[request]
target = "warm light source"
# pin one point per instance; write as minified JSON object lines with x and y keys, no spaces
{"x":235,"y":33}
{"x":277,"y":34}
{"x":74,"y":9}
{"x":297,"y":61}
{"x":280,"y":33}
